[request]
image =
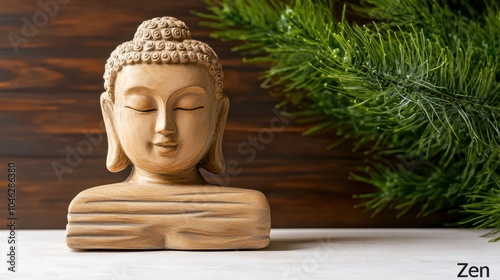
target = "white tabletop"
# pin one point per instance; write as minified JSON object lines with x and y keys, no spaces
{"x":292,"y":254}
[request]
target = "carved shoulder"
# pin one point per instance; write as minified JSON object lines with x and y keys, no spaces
{"x":98,"y":193}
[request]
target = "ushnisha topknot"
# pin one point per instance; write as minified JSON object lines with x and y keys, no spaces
{"x":163,"y":40}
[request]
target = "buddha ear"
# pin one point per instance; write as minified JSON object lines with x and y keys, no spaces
{"x":214,"y":160}
{"x":116,"y":160}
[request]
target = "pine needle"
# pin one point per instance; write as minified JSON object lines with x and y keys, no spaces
{"x":422,"y":82}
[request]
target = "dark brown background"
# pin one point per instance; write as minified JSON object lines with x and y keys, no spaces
{"x":49,"y":97}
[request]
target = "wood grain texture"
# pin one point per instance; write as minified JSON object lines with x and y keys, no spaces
{"x":50,"y":115}
{"x":121,"y":216}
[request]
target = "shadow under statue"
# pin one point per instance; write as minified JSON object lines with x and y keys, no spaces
{"x":165,"y":112}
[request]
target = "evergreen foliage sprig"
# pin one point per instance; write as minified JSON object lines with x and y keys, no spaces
{"x":421,"y":83}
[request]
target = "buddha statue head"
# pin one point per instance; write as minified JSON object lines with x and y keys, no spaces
{"x":164,"y":108}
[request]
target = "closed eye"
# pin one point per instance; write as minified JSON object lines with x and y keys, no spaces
{"x":189,"y":109}
{"x":140,"y":110}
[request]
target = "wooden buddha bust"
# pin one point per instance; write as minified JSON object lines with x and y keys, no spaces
{"x":165,"y":112}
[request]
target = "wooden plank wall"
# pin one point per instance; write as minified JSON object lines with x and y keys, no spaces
{"x":49,"y":107}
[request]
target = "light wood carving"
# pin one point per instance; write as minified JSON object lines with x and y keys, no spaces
{"x":165,"y":112}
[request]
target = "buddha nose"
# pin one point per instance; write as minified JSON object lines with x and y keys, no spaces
{"x":165,"y":123}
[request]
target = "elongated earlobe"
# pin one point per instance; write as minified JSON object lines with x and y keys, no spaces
{"x":116,"y":160}
{"x":214,"y":160}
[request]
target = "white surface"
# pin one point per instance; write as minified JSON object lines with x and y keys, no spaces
{"x":293,"y":254}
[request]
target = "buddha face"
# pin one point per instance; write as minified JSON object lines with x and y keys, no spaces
{"x":164,"y":116}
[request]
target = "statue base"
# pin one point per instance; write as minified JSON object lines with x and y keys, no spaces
{"x":138,"y":216}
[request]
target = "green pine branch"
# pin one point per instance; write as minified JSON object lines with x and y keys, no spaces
{"x":422,"y":85}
